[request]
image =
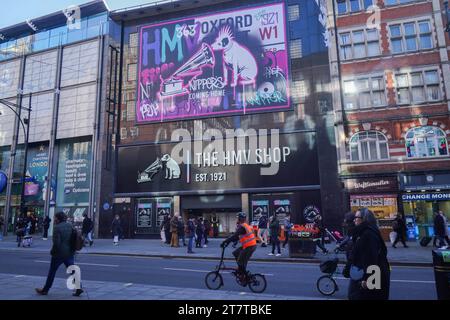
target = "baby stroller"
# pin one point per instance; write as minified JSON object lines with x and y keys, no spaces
{"x":23,"y":238}
{"x":27,"y":241}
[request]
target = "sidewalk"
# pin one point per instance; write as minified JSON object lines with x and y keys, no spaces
{"x":19,"y":287}
{"x":415,"y":255}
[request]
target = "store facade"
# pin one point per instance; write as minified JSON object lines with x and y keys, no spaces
{"x":198,"y":141}
{"x":57,"y":71}
{"x":380,"y":195}
{"x":422,"y":195}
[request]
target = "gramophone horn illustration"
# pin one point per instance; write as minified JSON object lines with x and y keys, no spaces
{"x":174,"y":85}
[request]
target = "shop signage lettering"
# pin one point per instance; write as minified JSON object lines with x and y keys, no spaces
{"x":360,"y":185}
{"x":194,"y":165}
{"x":76,"y":174}
{"x":218,"y":64}
{"x":425,"y":196}
{"x":231,"y":158}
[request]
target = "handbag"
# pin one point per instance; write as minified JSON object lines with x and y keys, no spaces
{"x":392,"y":236}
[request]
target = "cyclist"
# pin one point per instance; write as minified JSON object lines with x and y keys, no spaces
{"x":244,"y":233}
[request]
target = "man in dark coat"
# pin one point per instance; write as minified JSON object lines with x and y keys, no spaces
{"x":166,"y":226}
{"x":116,"y":229}
{"x":439,"y":229}
{"x":399,"y":227}
{"x":368,"y":250}
{"x":46,"y":225}
{"x":207,"y":225}
{"x":86,"y":230}
{"x":274,"y":228}
{"x":62,"y":252}
{"x":190,"y":233}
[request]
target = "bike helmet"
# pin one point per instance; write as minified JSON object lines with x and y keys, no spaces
{"x":241,"y":216}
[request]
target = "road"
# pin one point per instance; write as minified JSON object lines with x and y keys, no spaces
{"x":293,"y":279}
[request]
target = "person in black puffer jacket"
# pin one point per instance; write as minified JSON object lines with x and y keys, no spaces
{"x":368,"y":250}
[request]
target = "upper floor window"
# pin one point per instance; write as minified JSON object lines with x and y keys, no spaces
{"x":364,"y":92}
{"x":427,"y":141}
{"x":348,"y":6}
{"x":368,"y":146}
{"x":410,"y":36}
{"x":294,"y":12}
{"x":295,"y":48}
{"x":395,"y":2}
{"x":418,"y":87}
{"x":359,"y":44}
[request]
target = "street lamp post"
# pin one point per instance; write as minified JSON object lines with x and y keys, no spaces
{"x":26,"y":134}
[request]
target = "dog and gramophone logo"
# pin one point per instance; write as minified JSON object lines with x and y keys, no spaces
{"x":165,"y":164}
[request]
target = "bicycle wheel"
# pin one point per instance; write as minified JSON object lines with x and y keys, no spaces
{"x":213,"y":280}
{"x":326,"y":285}
{"x":257,"y":283}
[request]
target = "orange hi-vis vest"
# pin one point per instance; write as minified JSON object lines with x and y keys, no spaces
{"x":248,"y":239}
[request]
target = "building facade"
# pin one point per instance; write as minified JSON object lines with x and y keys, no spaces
{"x":224,"y":107}
{"x":54,"y":67}
{"x":392,"y":110}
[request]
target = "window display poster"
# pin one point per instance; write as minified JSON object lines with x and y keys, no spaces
{"x":144,"y":215}
{"x":282,"y":208}
{"x":383,"y":206}
{"x":74,"y":168}
{"x":36,"y":174}
{"x":163,"y":208}
{"x":260,"y":208}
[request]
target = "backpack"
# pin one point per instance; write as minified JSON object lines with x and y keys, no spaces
{"x":76,"y":240}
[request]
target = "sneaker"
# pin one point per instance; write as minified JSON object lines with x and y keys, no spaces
{"x":264,"y":245}
{"x":270,"y":254}
{"x":90,"y":243}
{"x":205,"y":246}
{"x":44,"y":239}
{"x":278,"y":254}
{"x":41,"y":292}
{"x":191,"y":252}
{"x":443,"y":248}
{"x":78,"y":292}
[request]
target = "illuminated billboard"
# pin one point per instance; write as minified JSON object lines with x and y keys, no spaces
{"x":231,"y":63}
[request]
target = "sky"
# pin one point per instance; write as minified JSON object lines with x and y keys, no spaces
{"x":16,"y":11}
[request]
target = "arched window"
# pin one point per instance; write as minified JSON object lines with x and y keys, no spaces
{"x":426,"y":141}
{"x":368,"y":146}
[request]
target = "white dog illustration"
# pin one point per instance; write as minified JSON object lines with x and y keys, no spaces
{"x":236,"y":57}
{"x":172,"y":168}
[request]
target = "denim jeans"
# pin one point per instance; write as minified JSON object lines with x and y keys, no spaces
{"x":54,"y":265}
{"x":190,"y":243}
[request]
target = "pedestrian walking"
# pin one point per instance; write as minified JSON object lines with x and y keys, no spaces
{"x":319,"y":238}
{"x":190,"y":233}
{"x":399,"y":227}
{"x":207,"y":227}
{"x":287,"y":230}
{"x":274,"y":232}
{"x":181,"y":233}
{"x":368,"y":250}
{"x":166,"y":224}
{"x":439,"y":230}
{"x":446,"y":237}
{"x":87,"y":228}
{"x":262,"y":230}
{"x":20,"y":229}
{"x":174,"y":231}
{"x":116,"y":229}
{"x":61,"y":252}
{"x":215,"y":225}
{"x":46,"y":225}
{"x":199,"y":230}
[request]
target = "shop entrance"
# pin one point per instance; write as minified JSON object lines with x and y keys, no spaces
{"x":223,"y":221}
{"x":219,"y":210}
